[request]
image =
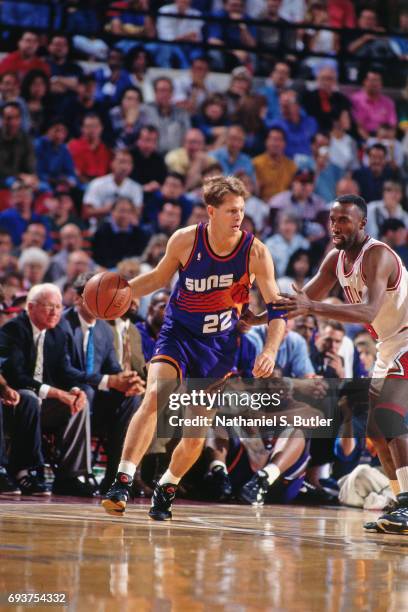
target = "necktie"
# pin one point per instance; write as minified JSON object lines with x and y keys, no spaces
{"x":325,"y":101}
{"x":39,"y":357}
{"x":90,"y":352}
{"x":127,"y":354}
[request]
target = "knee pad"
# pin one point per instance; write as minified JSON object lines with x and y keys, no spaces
{"x":391,"y":419}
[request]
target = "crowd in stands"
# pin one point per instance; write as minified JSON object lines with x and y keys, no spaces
{"x":100,"y":163}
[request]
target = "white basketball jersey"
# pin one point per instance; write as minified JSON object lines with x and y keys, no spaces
{"x":393,"y":315}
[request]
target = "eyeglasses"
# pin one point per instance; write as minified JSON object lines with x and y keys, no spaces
{"x":50,"y":307}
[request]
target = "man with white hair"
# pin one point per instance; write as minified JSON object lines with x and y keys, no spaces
{"x":37,"y":361}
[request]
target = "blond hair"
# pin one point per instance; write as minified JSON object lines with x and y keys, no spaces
{"x":215,"y":189}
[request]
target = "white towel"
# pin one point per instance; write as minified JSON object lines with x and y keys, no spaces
{"x":357,"y":486}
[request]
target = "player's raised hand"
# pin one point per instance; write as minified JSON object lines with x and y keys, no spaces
{"x":264,"y":365}
{"x":295,"y":305}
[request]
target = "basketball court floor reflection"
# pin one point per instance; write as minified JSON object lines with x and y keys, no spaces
{"x":210,"y":557}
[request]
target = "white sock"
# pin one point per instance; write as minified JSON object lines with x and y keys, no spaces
{"x":217,"y":463}
{"x":21,"y":474}
{"x":395,"y":487}
{"x":127,"y":467}
{"x":402,"y":475}
{"x":169,"y":478}
{"x":272,"y":471}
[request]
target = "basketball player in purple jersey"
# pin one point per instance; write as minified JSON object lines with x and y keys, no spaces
{"x":217,"y":263}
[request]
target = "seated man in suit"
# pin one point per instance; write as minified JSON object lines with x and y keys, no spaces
{"x":128,"y":341}
{"x":38,"y":361}
{"x":112,"y":393}
{"x":19,"y":414}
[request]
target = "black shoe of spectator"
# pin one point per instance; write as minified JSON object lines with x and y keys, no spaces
{"x":315,"y":496}
{"x":31,"y":484}
{"x":163,"y":497}
{"x":73,"y":487}
{"x":7,"y":484}
{"x":254,"y":491}
{"x":330,"y":486}
{"x":118,"y":495}
{"x":218,"y":484}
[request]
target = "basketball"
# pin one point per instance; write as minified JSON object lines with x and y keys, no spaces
{"x":107,"y":295}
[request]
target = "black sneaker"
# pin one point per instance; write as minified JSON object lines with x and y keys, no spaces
{"x":163,"y":496}
{"x":31,"y":484}
{"x":396,"y":521}
{"x":118,"y":495}
{"x":7,"y":484}
{"x":218,"y":484}
{"x":254,"y":491}
{"x":310,"y":495}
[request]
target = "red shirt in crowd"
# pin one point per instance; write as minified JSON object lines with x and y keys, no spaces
{"x":341,"y":14}
{"x":13,"y":62}
{"x":90,"y":162}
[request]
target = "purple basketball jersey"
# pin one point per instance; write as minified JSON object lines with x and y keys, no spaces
{"x":211,"y":291}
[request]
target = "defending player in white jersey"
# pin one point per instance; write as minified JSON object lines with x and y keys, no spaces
{"x":375,"y":283}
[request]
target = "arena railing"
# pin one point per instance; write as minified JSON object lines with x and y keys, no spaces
{"x":393,"y":68}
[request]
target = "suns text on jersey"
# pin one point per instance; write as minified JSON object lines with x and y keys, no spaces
{"x":214,"y":281}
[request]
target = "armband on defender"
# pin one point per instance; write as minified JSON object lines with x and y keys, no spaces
{"x":275,"y":314}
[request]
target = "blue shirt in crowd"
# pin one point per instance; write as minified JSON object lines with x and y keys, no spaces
{"x":292,"y":356}
{"x":298,"y":135}
{"x":15,"y":225}
{"x":242,"y":162}
{"x":53,"y":162}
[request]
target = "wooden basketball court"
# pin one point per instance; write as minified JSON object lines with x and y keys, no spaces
{"x":210,"y":557}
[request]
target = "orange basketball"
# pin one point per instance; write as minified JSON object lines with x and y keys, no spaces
{"x":107,"y":295}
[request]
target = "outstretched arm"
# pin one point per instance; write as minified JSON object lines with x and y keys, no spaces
{"x":322,"y":283}
{"x":179,"y":245}
{"x":380,"y":267}
{"x":261,"y":265}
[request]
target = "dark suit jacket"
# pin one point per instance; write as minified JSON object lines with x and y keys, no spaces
{"x":312,"y":104}
{"x":105,"y":355}
{"x":110,"y":247}
{"x":18,"y":348}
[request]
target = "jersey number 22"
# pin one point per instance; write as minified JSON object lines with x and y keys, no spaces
{"x":217,"y":323}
